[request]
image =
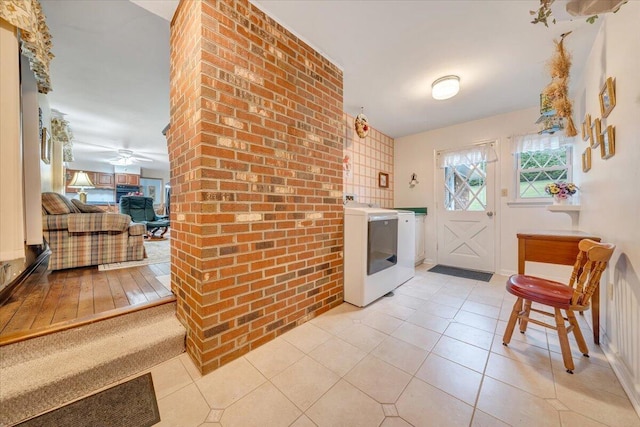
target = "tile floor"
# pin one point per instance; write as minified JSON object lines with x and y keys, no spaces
{"x":431,"y":355}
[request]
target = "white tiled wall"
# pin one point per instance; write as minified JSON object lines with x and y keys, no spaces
{"x":367,"y":157}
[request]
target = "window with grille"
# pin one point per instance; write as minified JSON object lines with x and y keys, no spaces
{"x":465,"y":177}
{"x":466,"y":187}
{"x":536,"y":169}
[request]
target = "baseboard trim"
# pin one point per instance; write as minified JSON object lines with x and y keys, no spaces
{"x":506,"y":272}
{"x":5,"y":293}
{"x":621,"y":371}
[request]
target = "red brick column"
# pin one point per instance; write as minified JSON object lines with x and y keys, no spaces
{"x":255,"y":147}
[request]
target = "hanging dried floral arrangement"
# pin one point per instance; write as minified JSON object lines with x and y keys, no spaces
{"x":558,"y":90}
{"x":362,"y":125}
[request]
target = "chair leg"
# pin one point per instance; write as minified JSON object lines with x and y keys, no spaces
{"x":582,"y":344}
{"x":524,"y":320}
{"x":511,"y":325}
{"x":564,"y":341}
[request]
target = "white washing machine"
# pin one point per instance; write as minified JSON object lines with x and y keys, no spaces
{"x":406,"y":245}
{"x":376,"y":258}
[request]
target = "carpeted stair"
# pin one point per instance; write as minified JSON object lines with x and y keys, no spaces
{"x":43,"y":373}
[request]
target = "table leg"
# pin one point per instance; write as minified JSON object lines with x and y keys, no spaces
{"x":595,"y":315}
{"x":521,"y":255}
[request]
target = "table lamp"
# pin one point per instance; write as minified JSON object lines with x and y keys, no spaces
{"x":81,"y":180}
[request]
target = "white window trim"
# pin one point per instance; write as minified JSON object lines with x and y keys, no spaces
{"x":518,"y":201}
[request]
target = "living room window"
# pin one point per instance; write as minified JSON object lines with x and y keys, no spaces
{"x":540,"y":160}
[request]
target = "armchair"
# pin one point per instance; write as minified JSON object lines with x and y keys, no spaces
{"x":140,"y":209}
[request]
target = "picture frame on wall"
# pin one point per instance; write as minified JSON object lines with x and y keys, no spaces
{"x":608,"y":142}
{"x":45,"y":147}
{"x":607,"y":97}
{"x":151,"y":187}
{"x":586,"y":160}
{"x":586,"y":127}
{"x":383,"y":180}
{"x":595,"y":135}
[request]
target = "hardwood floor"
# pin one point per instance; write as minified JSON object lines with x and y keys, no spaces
{"x":50,"y":301}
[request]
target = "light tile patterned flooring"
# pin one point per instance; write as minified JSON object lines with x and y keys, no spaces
{"x":431,"y":355}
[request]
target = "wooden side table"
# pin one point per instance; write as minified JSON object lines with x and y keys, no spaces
{"x":557,"y":247}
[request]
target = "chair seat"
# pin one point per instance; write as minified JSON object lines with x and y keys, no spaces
{"x":540,"y":290}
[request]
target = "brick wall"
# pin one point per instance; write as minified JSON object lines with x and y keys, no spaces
{"x":366,"y":158}
{"x":255,"y":146}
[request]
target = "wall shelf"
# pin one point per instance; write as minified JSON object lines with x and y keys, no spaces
{"x":572,"y":210}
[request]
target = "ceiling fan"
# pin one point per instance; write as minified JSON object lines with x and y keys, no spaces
{"x":126,"y":157}
{"x":113,"y":155}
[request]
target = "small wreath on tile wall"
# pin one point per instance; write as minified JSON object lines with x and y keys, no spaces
{"x":362,"y":125}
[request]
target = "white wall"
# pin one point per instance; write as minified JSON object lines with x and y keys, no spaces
{"x":91,"y":166}
{"x":11,"y":183}
{"x":610,"y":195}
{"x":155,"y":173}
{"x":416,"y":153}
{"x":33,"y":166}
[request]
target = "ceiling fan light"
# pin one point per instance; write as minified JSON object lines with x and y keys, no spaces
{"x":445,"y":87}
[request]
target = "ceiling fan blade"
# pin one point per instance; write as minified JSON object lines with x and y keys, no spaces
{"x":113,"y":154}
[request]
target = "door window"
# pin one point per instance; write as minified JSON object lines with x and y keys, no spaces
{"x":465,"y":187}
{"x":465,"y":177}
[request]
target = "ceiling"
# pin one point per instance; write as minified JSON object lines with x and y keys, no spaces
{"x":111,"y":71}
{"x":392,"y":51}
{"x":110,"y":78}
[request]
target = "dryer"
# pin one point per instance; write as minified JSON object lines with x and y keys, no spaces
{"x":372,"y":266}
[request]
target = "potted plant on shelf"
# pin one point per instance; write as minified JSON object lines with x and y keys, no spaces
{"x":561,"y":192}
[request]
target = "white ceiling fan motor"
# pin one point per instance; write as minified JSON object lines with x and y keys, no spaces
{"x":126,"y":158}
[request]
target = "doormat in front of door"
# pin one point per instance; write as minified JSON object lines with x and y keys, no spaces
{"x":461,"y":272}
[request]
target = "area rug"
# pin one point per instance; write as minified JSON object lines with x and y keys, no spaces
{"x":157,"y":250}
{"x":461,"y":272}
{"x":132,"y":403}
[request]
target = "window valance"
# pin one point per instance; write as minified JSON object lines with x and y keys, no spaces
{"x":467,"y":156}
{"x":35,"y":40}
{"x":535,"y":142}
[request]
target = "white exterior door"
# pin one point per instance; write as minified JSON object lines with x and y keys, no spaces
{"x":465,"y":208}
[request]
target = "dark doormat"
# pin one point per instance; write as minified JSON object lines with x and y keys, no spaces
{"x":132,"y":403}
{"x":461,"y":272}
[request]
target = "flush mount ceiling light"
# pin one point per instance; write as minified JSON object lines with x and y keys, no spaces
{"x":445,"y":87}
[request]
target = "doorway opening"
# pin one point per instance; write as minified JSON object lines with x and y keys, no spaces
{"x":465,"y":207}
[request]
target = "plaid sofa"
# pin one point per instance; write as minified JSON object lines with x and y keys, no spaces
{"x":81,"y":235}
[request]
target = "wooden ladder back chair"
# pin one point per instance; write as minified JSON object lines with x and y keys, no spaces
{"x":576,"y":296}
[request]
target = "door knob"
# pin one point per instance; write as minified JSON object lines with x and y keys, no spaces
{"x":489,"y":214}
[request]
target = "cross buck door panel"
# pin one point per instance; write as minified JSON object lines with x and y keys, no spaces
{"x":465,"y":213}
